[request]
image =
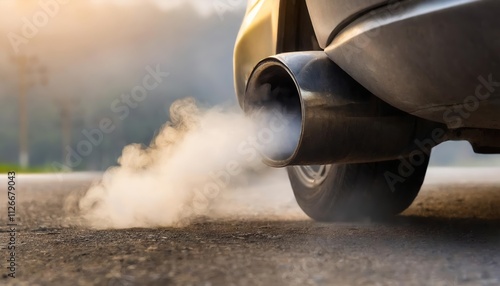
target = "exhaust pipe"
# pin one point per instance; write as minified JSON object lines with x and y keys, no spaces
{"x":332,"y":119}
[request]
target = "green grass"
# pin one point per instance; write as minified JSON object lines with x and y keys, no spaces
{"x":5,"y":168}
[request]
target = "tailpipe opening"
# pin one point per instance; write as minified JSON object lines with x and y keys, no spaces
{"x":275,"y":105}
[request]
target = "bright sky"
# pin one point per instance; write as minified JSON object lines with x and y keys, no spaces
{"x":205,"y":7}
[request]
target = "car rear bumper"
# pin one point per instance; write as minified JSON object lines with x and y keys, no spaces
{"x":330,"y":16}
{"x":437,"y":59}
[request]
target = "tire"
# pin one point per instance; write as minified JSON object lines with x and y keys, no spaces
{"x":357,"y":191}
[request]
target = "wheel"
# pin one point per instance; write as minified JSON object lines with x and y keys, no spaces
{"x":357,"y":191}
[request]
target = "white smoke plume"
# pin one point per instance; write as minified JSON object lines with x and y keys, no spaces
{"x":202,"y":163}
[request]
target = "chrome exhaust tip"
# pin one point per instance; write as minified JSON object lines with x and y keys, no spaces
{"x":330,"y":117}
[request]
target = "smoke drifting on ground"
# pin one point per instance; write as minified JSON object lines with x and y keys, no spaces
{"x":202,"y":163}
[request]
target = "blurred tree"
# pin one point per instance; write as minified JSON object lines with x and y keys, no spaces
{"x":30,"y":73}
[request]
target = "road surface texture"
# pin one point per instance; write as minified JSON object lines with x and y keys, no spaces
{"x":449,"y":236}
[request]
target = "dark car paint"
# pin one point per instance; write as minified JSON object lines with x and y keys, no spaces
{"x":438,"y":60}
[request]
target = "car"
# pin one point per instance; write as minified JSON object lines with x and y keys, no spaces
{"x":375,"y":85}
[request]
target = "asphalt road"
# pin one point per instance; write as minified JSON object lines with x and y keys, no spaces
{"x":450,"y":236}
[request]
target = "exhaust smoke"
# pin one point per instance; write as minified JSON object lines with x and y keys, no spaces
{"x":205,"y":162}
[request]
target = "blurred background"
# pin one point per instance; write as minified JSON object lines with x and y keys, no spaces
{"x":68,"y":69}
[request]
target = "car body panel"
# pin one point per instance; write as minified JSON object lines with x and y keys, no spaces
{"x":256,"y":40}
{"x":259,"y":35}
{"x":436,"y":59}
{"x":439,"y":60}
{"x":329,"y":16}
